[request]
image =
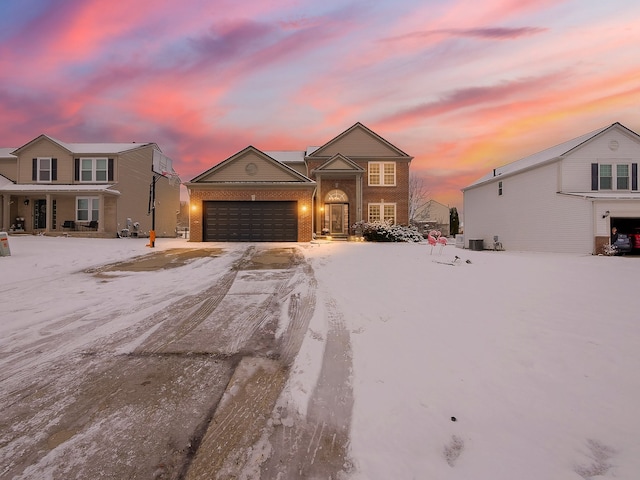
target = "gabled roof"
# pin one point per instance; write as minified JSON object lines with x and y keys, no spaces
{"x":357,"y":126}
{"x":4,"y":182}
{"x":6,"y":153}
{"x":339,"y":163}
{"x":548,"y":155}
{"x":294,"y":175}
{"x":84,"y":148}
{"x":287,"y":156}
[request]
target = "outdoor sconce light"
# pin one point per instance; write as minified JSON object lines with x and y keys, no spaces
{"x":26,"y":201}
{"x":304,"y":208}
{"x":606,"y":214}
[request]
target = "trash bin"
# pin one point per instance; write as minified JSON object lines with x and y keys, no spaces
{"x":477,"y":244}
{"x":459,"y":241}
{"x":5,"y":251}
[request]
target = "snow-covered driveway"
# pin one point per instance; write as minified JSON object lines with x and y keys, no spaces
{"x":144,"y":369}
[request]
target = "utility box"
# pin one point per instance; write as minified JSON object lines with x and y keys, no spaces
{"x":5,"y":251}
{"x":477,"y":244}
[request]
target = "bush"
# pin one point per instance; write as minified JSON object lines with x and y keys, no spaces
{"x":387,"y":232}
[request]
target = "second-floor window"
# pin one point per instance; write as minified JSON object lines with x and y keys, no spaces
{"x":606,"y":178}
{"x":614,"y":176}
{"x":93,"y":169}
{"x":382,"y":174}
{"x":44,"y":169}
{"x":622,"y":177}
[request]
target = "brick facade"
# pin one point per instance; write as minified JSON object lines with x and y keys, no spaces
{"x":342,"y":164}
{"x":302,"y":196}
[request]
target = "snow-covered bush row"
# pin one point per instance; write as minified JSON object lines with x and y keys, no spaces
{"x":386,"y":232}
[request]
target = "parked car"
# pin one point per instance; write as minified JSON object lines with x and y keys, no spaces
{"x":635,"y":240}
{"x":622,"y":244}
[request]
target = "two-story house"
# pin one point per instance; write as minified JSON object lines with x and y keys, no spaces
{"x":293,"y":196}
{"x":433,"y":215}
{"x":563,"y":199}
{"x":94,"y":189}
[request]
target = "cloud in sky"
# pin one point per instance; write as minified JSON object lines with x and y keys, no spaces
{"x":461,"y":86}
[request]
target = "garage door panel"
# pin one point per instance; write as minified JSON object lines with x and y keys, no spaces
{"x":250,"y":221}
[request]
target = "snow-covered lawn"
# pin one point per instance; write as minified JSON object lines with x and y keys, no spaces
{"x":509,"y":366}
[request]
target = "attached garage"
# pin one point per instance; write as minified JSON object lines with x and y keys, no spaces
{"x":630,"y":227}
{"x":250,"y":221}
{"x":251,"y":197}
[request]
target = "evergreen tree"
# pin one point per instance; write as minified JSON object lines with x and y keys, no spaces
{"x":454,"y":221}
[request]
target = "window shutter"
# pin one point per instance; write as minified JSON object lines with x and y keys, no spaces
{"x":34,"y":170}
{"x":110,"y":170}
{"x":594,"y":176}
{"x":54,"y":169}
{"x":634,"y":176}
{"x":77,"y":169}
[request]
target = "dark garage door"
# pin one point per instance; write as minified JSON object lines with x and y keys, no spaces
{"x":250,"y":222}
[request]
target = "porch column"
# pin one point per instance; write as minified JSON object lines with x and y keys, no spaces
{"x":319,"y":205}
{"x":101,"y":213}
{"x":359,"y":198}
{"x":4,"y":213}
{"x":48,"y":223}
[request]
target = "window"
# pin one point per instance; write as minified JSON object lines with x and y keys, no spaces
{"x":605,"y":177}
{"x":389,"y":212}
{"x":382,"y":174}
{"x":382,"y":212}
{"x":374,"y":213}
{"x":500,"y":187}
{"x":87,"y":208}
{"x":93,"y":169}
{"x":622,"y":177}
{"x":44,"y":170}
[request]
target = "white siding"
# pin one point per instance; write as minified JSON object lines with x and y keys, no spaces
{"x":530,"y":215}
{"x":576,"y":167}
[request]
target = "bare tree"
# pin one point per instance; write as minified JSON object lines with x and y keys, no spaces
{"x":418,"y":196}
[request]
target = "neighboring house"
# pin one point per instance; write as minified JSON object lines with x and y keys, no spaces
{"x":94,"y":189}
{"x":433,"y":216}
{"x":563,"y":199}
{"x":296,"y":195}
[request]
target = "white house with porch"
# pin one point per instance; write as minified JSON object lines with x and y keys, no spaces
{"x":563,"y":199}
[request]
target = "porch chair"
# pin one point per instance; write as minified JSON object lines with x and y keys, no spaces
{"x":93,"y":225}
{"x":68,"y":224}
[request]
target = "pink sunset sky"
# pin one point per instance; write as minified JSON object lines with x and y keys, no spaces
{"x":462,"y":86}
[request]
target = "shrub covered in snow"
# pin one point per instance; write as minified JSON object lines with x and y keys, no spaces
{"x":387,"y":232}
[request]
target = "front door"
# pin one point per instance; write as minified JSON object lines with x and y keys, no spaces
{"x":40,"y":214}
{"x":337,"y":218}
